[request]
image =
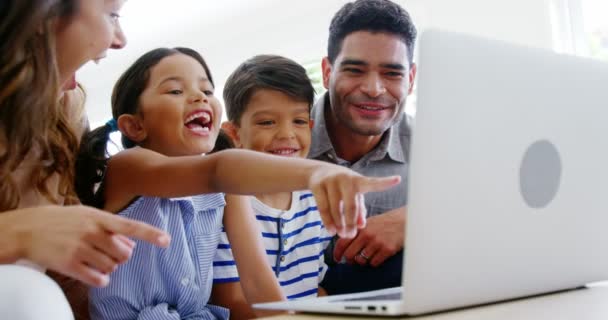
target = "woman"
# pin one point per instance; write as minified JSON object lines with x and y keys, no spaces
{"x":42,"y":44}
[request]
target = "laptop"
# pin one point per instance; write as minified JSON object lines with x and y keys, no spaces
{"x":508,"y":180}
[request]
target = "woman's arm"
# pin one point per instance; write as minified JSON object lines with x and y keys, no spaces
{"x":337,"y":190}
{"x":81,"y":242}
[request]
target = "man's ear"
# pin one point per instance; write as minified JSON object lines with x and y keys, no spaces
{"x":326,"y":71}
{"x":233,"y":132}
{"x":412,"y":77}
{"x":131,"y":126}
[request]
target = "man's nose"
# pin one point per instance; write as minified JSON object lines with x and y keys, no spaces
{"x":373,"y":85}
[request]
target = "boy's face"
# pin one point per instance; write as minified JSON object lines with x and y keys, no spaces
{"x":275,"y":123}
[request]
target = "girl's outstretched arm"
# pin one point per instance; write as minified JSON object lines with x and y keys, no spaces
{"x":337,"y":190}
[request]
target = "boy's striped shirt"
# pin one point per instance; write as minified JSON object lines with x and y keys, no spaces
{"x":294,"y":240}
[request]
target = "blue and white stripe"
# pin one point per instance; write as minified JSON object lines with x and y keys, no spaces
{"x":172,"y":283}
{"x":294,"y":241}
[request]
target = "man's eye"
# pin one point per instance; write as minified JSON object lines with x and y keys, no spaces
{"x":353,"y":70}
{"x":395,"y":74}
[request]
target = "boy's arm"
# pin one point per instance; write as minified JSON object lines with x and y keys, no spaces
{"x":257,"y":282}
{"x":257,"y":279}
{"x":321,"y":292}
{"x":227,"y":291}
{"x":230,"y":295}
{"x":337,"y":190}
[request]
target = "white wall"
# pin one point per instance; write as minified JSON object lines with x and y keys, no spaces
{"x":526,"y":22}
{"x":229,"y":31}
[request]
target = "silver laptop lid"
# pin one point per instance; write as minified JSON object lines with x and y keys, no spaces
{"x":508,"y":173}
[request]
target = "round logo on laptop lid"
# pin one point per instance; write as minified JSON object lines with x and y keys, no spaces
{"x":540,"y":174}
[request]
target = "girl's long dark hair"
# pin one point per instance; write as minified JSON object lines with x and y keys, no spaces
{"x":93,"y":156}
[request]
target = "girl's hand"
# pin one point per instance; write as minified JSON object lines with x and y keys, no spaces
{"x":81,"y":242}
{"x":339,"y":193}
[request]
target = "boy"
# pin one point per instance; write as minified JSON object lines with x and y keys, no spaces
{"x":268,"y":100}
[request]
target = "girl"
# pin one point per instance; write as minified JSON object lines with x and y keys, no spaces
{"x":42,"y":44}
{"x":166,"y":110}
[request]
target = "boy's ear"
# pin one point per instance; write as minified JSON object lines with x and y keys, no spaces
{"x":311,"y":123}
{"x":233,"y":132}
{"x":131,"y":126}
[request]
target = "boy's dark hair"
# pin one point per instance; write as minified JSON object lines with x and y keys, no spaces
{"x":92,"y":158}
{"x":265,"y":72}
{"x":374,"y":16}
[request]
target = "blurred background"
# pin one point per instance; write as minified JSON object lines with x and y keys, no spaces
{"x":228,"y":32}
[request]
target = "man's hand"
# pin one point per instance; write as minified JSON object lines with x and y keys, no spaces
{"x":379,"y":240}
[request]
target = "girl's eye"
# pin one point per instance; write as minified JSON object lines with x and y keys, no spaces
{"x":208,"y":92}
{"x":175,"y":92}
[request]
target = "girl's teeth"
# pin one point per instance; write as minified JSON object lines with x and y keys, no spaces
{"x":200,"y":129}
{"x":203,"y":115}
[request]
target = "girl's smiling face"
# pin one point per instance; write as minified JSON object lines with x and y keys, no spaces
{"x":178,"y":108}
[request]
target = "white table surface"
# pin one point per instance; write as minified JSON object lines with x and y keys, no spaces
{"x":583,"y":304}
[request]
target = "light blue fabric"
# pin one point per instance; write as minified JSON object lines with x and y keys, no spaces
{"x":171,"y":283}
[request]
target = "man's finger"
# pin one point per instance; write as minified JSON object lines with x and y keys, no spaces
{"x":354,"y":248}
{"x":371,"y":250}
{"x":379,"y":257}
{"x":341,"y":245}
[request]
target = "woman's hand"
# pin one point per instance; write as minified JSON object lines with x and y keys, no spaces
{"x":78,"y":241}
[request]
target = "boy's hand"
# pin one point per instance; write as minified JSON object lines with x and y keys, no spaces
{"x":339,"y":193}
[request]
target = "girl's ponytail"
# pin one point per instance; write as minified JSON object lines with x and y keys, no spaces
{"x":91,"y":164}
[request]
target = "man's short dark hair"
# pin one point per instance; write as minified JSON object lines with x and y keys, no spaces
{"x":374,"y":16}
{"x":265,"y":72}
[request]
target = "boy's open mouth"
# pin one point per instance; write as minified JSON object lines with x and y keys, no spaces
{"x":199,"y":122}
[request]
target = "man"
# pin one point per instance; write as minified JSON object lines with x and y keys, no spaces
{"x":360,"y":123}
